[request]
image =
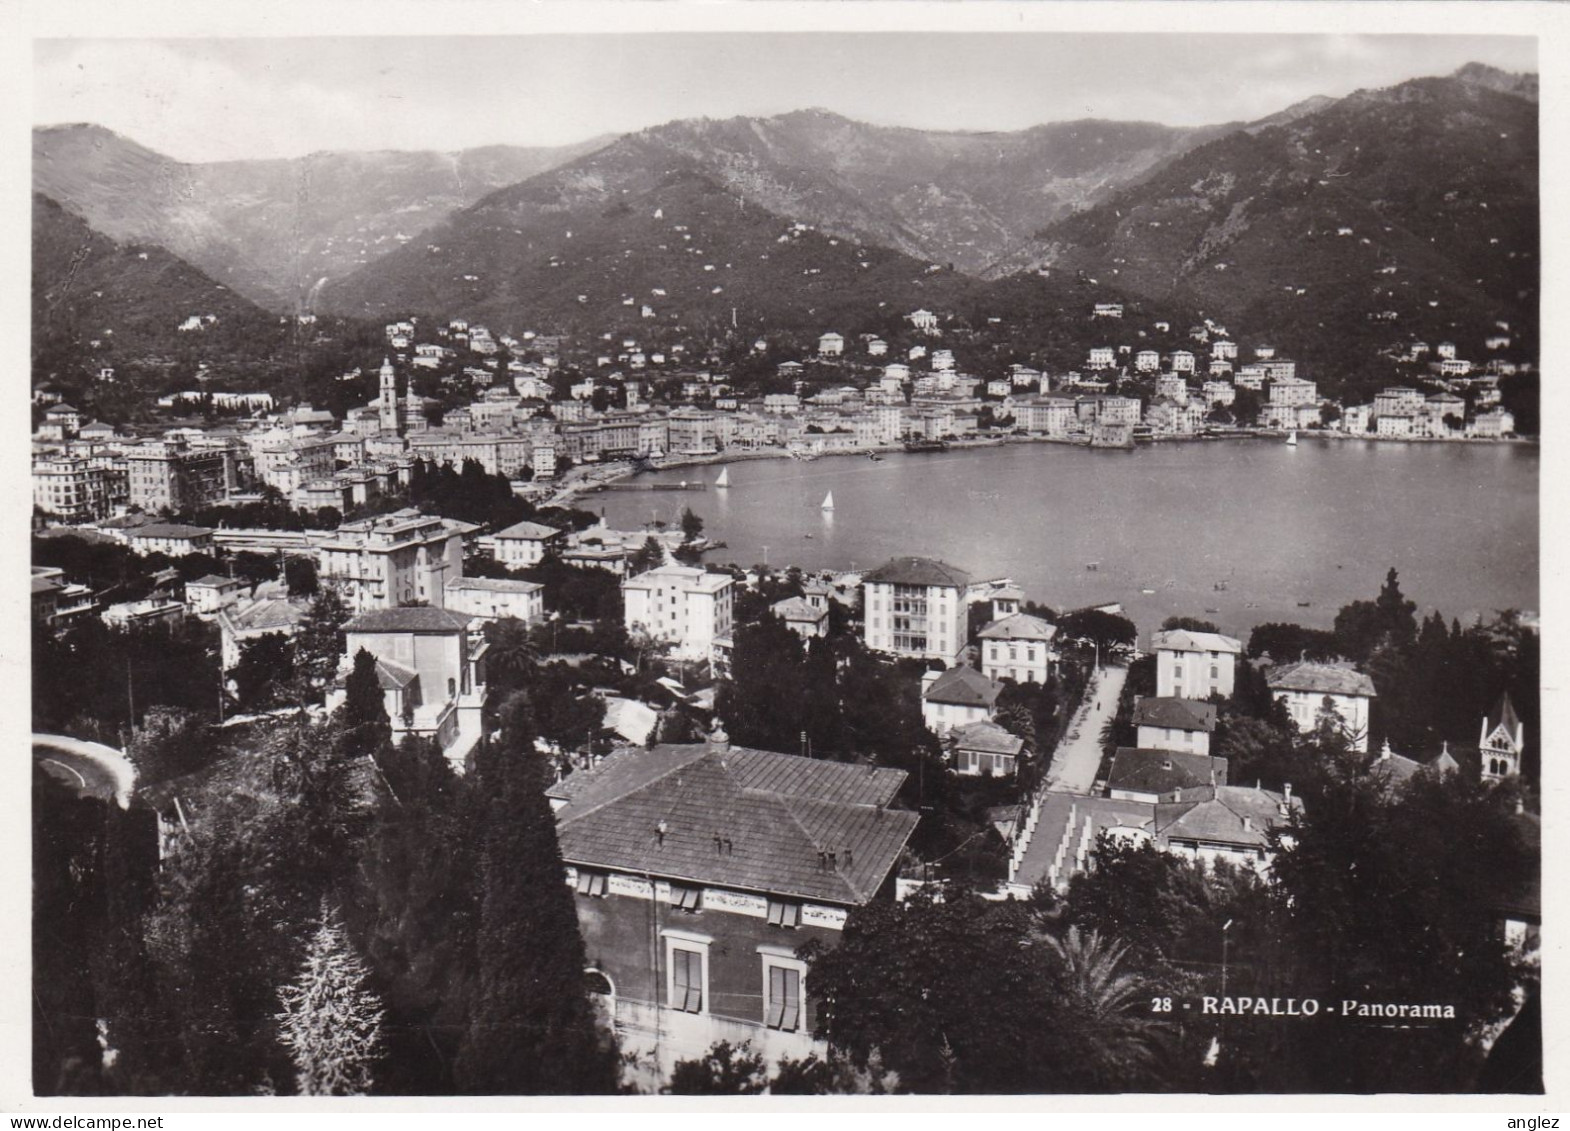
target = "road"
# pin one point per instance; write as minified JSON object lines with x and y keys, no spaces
{"x":90,"y":768}
{"x":1078,"y":758}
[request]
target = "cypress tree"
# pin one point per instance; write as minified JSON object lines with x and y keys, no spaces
{"x":532,"y":1029}
{"x":364,"y":712}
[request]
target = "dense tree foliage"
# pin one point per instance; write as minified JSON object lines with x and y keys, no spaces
{"x":532,"y":1029}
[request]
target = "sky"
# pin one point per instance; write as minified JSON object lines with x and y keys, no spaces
{"x":225,"y":99}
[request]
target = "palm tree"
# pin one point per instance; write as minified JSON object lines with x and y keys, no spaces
{"x":512,"y":651}
{"x":1112,"y":1041}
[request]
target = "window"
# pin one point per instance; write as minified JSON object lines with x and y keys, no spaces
{"x":686,"y":970}
{"x":687,"y":980}
{"x":784,"y":1001}
{"x":784,"y":982}
{"x":591,"y":883}
{"x":783,"y":914}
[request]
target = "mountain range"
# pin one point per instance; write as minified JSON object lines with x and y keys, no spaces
{"x":270,"y":229}
{"x":1418,"y":201}
{"x":1331,"y":226}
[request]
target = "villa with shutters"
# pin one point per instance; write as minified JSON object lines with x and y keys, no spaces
{"x":701,"y":869}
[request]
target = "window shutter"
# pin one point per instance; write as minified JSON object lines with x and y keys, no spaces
{"x":585,"y":879}
{"x":686,"y":980}
{"x":775,"y":1015}
{"x":792,"y":915}
{"x":776,"y":913}
{"x":790,"y":1018}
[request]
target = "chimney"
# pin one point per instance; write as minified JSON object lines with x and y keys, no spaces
{"x":1166,"y":763}
{"x":1384,"y":751}
{"x":1177,"y":795}
{"x":1248,"y":824}
{"x":1286,"y":790}
{"x":659,"y":831}
{"x":719,"y":741}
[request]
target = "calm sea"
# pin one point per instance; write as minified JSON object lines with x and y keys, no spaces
{"x":1238,"y":532}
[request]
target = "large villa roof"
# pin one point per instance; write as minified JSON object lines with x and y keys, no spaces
{"x":1323,"y":679}
{"x":919,"y":571}
{"x":710,"y":813}
{"x":1183,"y":640}
{"x":417,"y":618}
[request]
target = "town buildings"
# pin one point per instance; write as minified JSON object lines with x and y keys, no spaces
{"x":492,"y":598}
{"x":984,"y":749}
{"x":685,"y":607}
{"x":1194,"y":665}
{"x":915,"y":607}
{"x":431,"y":670}
{"x":957,"y":697}
{"x":1314,"y":691}
{"x":1018,"y":647}
{"x":393,"y":559}
{"x":1174,"y":724}
{"x":522,"y":544}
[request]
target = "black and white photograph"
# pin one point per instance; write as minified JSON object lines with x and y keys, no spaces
{"x":751,"y":560}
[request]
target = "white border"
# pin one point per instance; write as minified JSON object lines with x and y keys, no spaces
{"x":23,"y":20}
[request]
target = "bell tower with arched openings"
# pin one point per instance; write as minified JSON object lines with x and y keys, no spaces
{"x":1502,"y":739}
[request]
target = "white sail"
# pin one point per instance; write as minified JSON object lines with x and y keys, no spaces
{"x":828,"y":501}
{"x":724,"y":479}
{"x":1292,"y":437}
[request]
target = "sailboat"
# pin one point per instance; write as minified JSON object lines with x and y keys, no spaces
{"x":724,"y":479}
{"x":1292,"y":438}
{"x":828,"y":501}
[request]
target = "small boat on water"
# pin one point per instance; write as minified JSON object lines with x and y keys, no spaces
{"x":1292,"y":438}
{"x":1208,"y":610}
{"x":724,"y":479}
{"x":874,"y":457}
{"x":1093,"y":566}
{"x":1304,"y":604}
{"x":828,"y":501}
{"x":1147,"y":592}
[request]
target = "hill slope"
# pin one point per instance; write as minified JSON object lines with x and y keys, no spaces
{"x":1420,"y":199}
{"x":88,"y":286}
{"x":271,"y":229}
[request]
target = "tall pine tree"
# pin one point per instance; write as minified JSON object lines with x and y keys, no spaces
{"x":532,"y":1030}
{"x":331,"y":1022}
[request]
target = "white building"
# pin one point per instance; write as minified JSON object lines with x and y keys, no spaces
{"x":392,"y":559}
{"x":1309,"y":689}
{"x":957,"y":697}
{"x":682,"y":606}
{"x":492,"y":598}
{"x":1194,"y":665}
{"x":522,"y":544}
{"x":1174,"y":724}
{"x":1018,"y":647}
{"x":431,"y":671}
{"x":804,"y":618}
{"x":1182,"y":361}
{"x":831,"y":345}
{"x":915,"y":607}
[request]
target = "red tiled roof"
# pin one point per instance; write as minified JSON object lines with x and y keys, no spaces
{"x":919,"y":571}
{"x":964,"y":686}
{"x":1175,"y":714}
{"x":1162,"y":771}
{"x":418,"y":618}
{"x":1019,"y":626}
{"x":778,"y":812}
{"x":1327,"y":679}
